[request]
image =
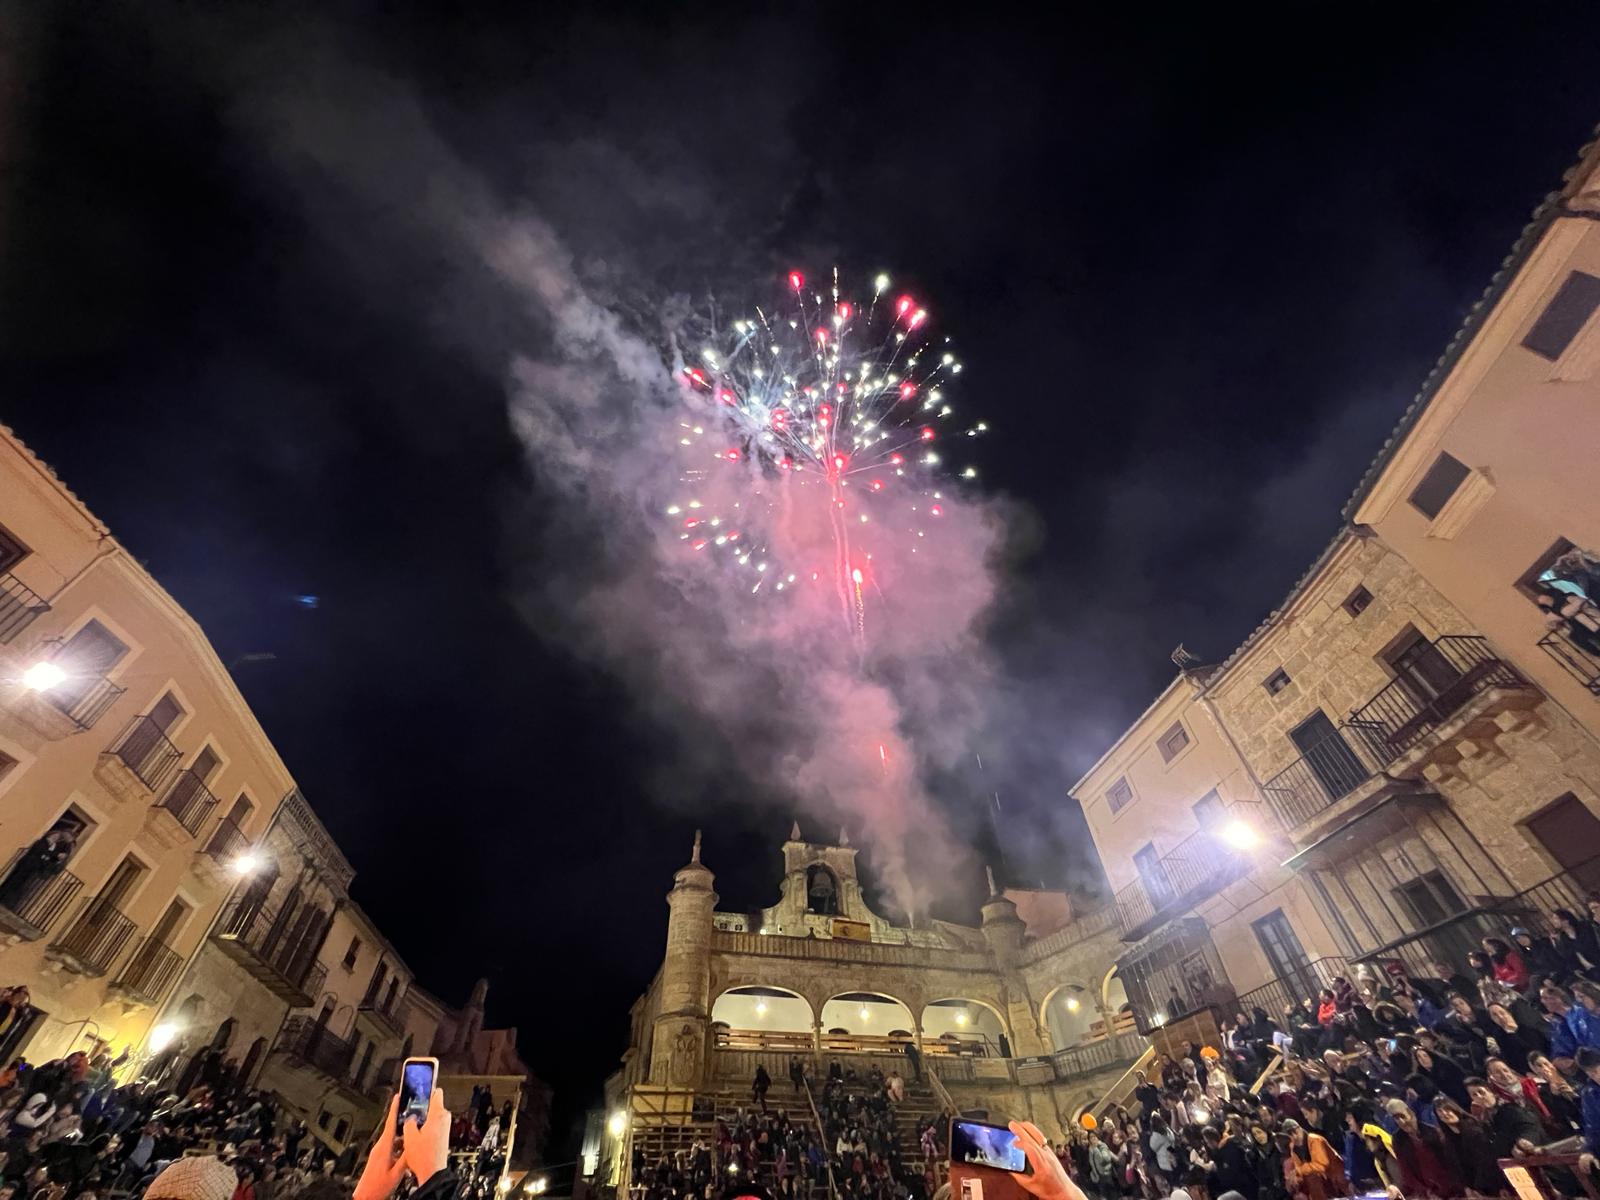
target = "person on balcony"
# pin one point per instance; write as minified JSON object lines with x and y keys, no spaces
{"x":1510,"y":970}
{"x":41,"y":862}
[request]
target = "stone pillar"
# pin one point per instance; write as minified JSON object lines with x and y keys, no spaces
{"x":678,"y":1038}
{"x":1003,"y":930}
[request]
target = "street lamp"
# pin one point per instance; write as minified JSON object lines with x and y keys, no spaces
{"x":43,"y":676}
{"x":247,"y":863}
{"x":1240,"y":835}
{"x":618,"y":1123}
{"x":161,"y":1036}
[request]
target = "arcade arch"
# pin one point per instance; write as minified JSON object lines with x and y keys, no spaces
{"x":758,"y":1007}
{"x":960,"y":1018}
{"x":866,"y":1013}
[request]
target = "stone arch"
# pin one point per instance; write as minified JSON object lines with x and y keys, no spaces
{"x":1113,"y":996}
{"x":864,"y":1012}
{"x":964,"y":1018}
{"x":1067,"y":1013}
{"x":763,"y":1007}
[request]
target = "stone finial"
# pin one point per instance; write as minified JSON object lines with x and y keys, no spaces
{"x":794,"y":832}
{"x":844,"y":836}
{"x":695,"y":856}
{"x":989,"y":871}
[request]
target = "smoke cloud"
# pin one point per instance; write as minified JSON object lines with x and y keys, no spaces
{"x":819,"y":725}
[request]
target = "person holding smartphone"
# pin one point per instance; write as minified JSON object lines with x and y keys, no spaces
{"x":423,"y":1148}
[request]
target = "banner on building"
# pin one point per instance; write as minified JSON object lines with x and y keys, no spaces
{"x":852,"y":931}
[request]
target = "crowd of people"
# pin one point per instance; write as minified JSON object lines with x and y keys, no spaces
{"x":1384,"y":1083}
{"x":70,"y":1131}
{"x":853,"y":1142}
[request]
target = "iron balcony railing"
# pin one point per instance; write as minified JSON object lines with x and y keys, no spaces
{"x":228,"y":842}
{"x":1321,"y":777}
{"x":19,"y":606}
{"x":1403,"y":713}
{"x":388,"y":1014}
{"x":150,"y":972}
{"x":1583,"y":665}
{"x":1300,"y":981}
{"x":1097,"y":1056}
{"x":1453,"y":938}
{"x":190,"y":801}
{"x":270,"y":942}
{"x":145,"y":749}
{"x":37,"y":900}
{"x":312,"y":1042}
{"x":1198,"y":866}
{"x":96,"y":936}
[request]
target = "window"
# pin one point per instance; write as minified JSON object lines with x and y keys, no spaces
{"x":12,"y":551}
{"x":1172,"y":742}
{"x":1438,"y":485}
{"x":1571,"y":307}
{"x":1276,"y":682}
{"x":350,"y":954}
{"x":1119,"y":795}
{"x":1356,"y":602}
{"x":342,"y":1129}
{"x":1208,"y":810}
{"x":323,"y":1118}
{"x":87,"y":656}
{"x":1429,"y":899}
{"x":7,"y":764}
{"x":1550,"y":577}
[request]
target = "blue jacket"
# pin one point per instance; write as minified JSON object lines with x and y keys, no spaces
{"x":1572,"y":1032}
{"x":1591,"y":1117}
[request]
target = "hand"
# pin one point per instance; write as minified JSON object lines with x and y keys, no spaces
{"x":1049,"y":1179}
{"x":385,"y":1166}
{"x":427,"y":1146}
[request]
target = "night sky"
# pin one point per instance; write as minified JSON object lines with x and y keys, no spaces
{"x":1196,"y":269}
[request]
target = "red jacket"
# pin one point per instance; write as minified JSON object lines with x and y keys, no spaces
{"x":1512,"y":971}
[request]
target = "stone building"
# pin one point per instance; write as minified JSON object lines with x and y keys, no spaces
{"x":1404,"y":755}
{"x":1024,"y":1019}
{"x":166,"y":887}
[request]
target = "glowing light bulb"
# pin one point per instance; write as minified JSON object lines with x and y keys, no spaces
{"x":43,"y":676}
{"x":1241,"y":836}
{"x":865,"y":1015}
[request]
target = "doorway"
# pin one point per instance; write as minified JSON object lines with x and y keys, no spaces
{"x":1328,"y":755}
{"x":1569,"y":832}
{"x":1285,"y":955}
{"x":1421,"y":667}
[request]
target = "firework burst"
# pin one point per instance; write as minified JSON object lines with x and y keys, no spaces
{"x":830,"y":414}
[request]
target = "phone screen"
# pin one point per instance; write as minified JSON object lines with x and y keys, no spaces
{"x":416,"y":1090}
{"x":978,"y":1145}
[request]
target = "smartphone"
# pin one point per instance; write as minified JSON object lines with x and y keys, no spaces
{"x":416,"y":1090}
{"x":976,"y":1144}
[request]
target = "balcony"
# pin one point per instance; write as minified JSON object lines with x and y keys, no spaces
{"x":95,"y":938}
{"x":30,"y":906}
{"x":1401,"y":717}
{"x":140,"y":762}
{"x":389,"y":1019}
{"x":224,"y":850}
{"x":148,"y":974}
{"x":1582,"y":664}
{"x":308,"y":1041}
{"x":181,"y":813}
{"x":1300,"y":981}
{"x":73,"y":705}
{"x":250,"y":934}
{"x":1197,"y":867}
{"x":1335,"y":768}
{"x":19,"y":606}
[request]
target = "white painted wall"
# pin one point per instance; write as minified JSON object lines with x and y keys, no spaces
{"x":783,"y":1013}
{"x":883,"y":1015}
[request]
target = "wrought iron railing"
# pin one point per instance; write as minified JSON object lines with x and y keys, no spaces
{"x":96,"y":936}
{"x":312,"y":1042}
{"x":39,"y":900}
{"x":145,"y":750}
{"x":190,"y":801}
{"x":1301,"y":981}
{"x":1402,"y":714}
{"x":1453,"y":938}
{"x":1581,"y":664}
{"x":228,"y":842}
{"x":250,"y":924}
{"x":388,"y":1013}
{"x":1186,"y":874}
{"x":19,"y":606}
{"x":1321,"y":777}
{"x":150,"y":971}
